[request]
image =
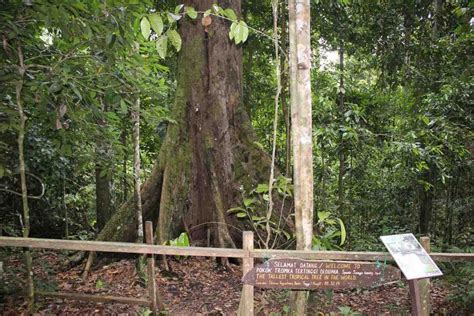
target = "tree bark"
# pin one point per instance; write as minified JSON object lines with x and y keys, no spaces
{"x":209,"y":155}
{"x":136,"y":169}
{"x":103,"y":194}
{"x":301,"y":118}
{"x":30,"y":295}
{"x":342,"y":166}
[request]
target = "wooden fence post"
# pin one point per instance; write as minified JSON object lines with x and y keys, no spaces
{"x":425,"y":283}
{"x":246,"y":299}
{"x":153,"y":296}
{"x":415,"y":300}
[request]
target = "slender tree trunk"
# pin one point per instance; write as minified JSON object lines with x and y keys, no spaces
{"x":24,"y":191}
{"x":66,"y":213}
{"x":408,"y":13}
{"x":301,"y":117}
{"x":342,"y":166}
{"x":136,"y":169}
{"x":275,"y":121}
{"x":284,"y":90}
{"x":137,"y":182}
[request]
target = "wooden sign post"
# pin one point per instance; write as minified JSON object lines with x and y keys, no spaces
{"x":295,"y":273}
{"x":416,"y":265}
{"x":246,"y":299}
{"x":425,"y":283}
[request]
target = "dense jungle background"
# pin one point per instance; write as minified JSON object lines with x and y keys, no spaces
{"x":392,"y":122}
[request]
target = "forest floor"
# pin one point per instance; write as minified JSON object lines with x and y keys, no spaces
{"x":193,"y":286}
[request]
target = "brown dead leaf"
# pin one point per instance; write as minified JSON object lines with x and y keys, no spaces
{"x":206,"y":21}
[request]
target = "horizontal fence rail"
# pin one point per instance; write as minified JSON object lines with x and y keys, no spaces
{"x":125,"y":247}
{"x":96,"y":298}
{"x":120,"y":247}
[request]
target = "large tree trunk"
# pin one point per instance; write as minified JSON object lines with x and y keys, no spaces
{"x":209,"y":154}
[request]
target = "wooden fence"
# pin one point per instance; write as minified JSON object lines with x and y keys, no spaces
{"x":248,"y":254}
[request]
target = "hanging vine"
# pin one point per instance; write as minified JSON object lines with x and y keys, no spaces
{"x":275,"y":119}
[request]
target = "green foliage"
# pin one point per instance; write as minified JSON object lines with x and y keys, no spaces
{"x":99,"y":284}
{"x":145,"y":27}
{"x":328,"y":229}
{"x":181,"y":241}
{"x":84,"y":69}
{"x":255,"y":205}
{"x":154,"y":21}
{"x":460,"y":277}
{"x":239,"y":32}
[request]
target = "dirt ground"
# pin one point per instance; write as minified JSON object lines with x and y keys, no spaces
{"x":193,"y":286}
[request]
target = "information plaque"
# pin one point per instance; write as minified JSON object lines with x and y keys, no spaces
{"x":293,"y":273}
{"x":410,"y":256}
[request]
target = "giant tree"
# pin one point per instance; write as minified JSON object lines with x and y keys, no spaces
{"x":209,"y":154}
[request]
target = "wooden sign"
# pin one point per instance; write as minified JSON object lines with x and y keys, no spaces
{"x":292,"y":273}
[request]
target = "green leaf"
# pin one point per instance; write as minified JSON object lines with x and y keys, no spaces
{"x":231,"y":37}
{"x":191,"y":12}
{"x":55,"y":87}
{"x":183,"y":240}
{"x":234,"y":210}
{"x":178,"y":8}
{"x":323,"y":215}
{"x":216,"y":8}
{"x":162,"y":46}
{"x":248,"y":202}
{"x":241,"y":32}
{"x":206,"y":13}
{"x":99,"y":284}
{"x":75,"y":90}
{"x":230,"y":14}
{"x":245,"y":31}
{"x":343,"y":231}
{"x":175,"y":39}
{"x":145,"y":27}
{"x":237,"y":33}
{"x":110,"y":39}
{"x":425,"y":119}
{"x":262,"y":188}
{"x":156,"y":23}
{"x":241,"y":215}
{"x":123,"y":107}
{"x":2,"y":171}
{"x":173,"y":17}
